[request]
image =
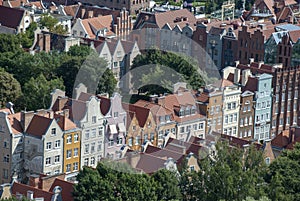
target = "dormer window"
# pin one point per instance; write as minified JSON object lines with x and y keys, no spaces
{"x":181,"y":112}
{"x":193,"y":110}
{"x":162,"y":119}
{"x":187,"y":111}
{"x":168,"y":118}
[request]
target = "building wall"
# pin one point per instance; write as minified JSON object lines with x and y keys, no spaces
{"x":285,"y":104}
{"x":246,"y":119}
{"x":133,"y":131}
{"x":78,"y":29}
{"x":73,"y":161}
{"x":263,"y":106}
{"x":92,"y":134}
{"x":214,"y":51}
{"x":214,"y":113}
{"x":116,"y":116}
{"x":231,"y":101}
{"x":54,"y":167}
{"x":118,"y":60}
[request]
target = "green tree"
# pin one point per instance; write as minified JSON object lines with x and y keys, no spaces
{"x":232,"y":174}
{"x":10,"y":89}
{"x":27,"y":38}
{"x":168,"y":185}
{"x":283,"y":179}
{"x":9,"y":43}
{"x":37,"y":92}
{"x":107,"y":83}
{"x":51,"y":23}
{"x":164,"y":67}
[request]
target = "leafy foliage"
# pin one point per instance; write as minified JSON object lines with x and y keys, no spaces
{"x":10,"y":89}
{"x":51,"y":24}
{"x":163,"y":69}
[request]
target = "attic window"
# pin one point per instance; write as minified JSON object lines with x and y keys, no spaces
{"x":53,"y":131}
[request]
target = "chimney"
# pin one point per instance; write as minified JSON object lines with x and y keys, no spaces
{"x":51,"y":114}
{"x":82,"y":13}
{"x":10,"y":106}
{"x":153,"y":98}
{"x":161,"y":101}
{"x":55,"y":95}
{"x":42,"y":112}
{"x":47,"y":42}
{"x":237,"y":75}
{"x":245,"y":75}
{"x":90,"y":14}
{"x":66,"y":113}
{"x":81,"y":88}
{"x":237,"y":63}
{"x":260,"y":63}
{"x":251,"y":60}
{"x":34,"y":180}
{"x":26,"y":119}
{"x":30,"y":195}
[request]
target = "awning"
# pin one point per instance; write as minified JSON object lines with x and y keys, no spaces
{"x":122,"y":127}
{"x":113,"y":129}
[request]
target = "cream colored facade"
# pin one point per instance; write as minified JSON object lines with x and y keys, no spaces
{"x":231,"y":106}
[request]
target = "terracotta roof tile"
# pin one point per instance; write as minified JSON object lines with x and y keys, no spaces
{"x":96,"y":23}
{"x":251,"y":85}
{"x":38,"y":125}
{"x":294,"y":36}
{"x":65,"y":123}
{"x":83,"y":12}
{"x":71,"y":10}
{"x":281,"y":140}
{"x":203,"y":97}
{"x":67,"y":189}
{"x":11,"y":17}
{"x":37,"y":193}
{"x":164,"y":153}
{"x":141,"y":113}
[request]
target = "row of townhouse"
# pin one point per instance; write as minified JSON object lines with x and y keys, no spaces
{"x":254,"y":101}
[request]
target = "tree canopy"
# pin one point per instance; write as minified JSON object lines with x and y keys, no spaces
{"x":164,"y":69}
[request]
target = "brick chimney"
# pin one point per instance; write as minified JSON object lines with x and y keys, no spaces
{"x":237,"y":75}
{"x":47,"y":42}
{"x":26,"y":119}
{"x":90,"y":14}
{"x":34,"y":180}
{"x":245,"y":75}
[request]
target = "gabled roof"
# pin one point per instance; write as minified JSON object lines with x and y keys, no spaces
{"x":164,"y":153}
{"x":84,"y":11}
{"x":94,"y":24}
{"x":183,"y":146}
{"x":105,"y":104}
{"x":37,"y":193}
{"x":14,"y":120}
{"x":11,"y":17}
{"x":216,"y":31}
{"x":64,"y":123}
{"x":39,"y":125}
{"x":150,"y":164}
{"x":141,"y":113}
{"x":71,"y":10}
{"x":203,"y":97}
{"x":77,"y":109}
{"x":67,"y":189}
{"x":294,"y":36}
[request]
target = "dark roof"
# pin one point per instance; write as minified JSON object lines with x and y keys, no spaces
{"x":11,"y":17}
{"x":38,"y":125}
{"x":150,"y":164}
{"x":141,"y":113}
{"x":104,"y":104}
{"x":67,"y":189}
{"x":37,"y":193}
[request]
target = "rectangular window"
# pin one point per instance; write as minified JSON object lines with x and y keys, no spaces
{"x":182,"y":129}
{"x":48,"y":161}
{"x":111,"y":142}
{"x":56,"y":159}
{"x":69,"y":139}
{"x":235,"y":117}
{"x":75,"y":166}
{"x":93,"y":133}
{"x":69,"y":153}
{"x":75,"y":152}
{"x":94,"y":119}
{"x":100,"y":131}
{"x":119,"y":140}
{"x":93,"y":161}
{"x":48,"y":145}
{"x":195,"y":127}
{"x":116,"y":114}
{"x":93,"y":147}
{"x":226,"y":119}
{"x":201,"y":126}
{"x":230,"y":118}
{"x":86,"y":162}
{"x":57,"y":143}
{"x":151,"y":137}
{"x":68,"y":168}
{"x":53,"y":131}
{"x":86,"y":148}
{"x":87,"y":134}
{"x":76,"y":137}
{"x":130,"y":141}
{"x":99,"y":147}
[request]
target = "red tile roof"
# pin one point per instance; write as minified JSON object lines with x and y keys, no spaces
{"x":11,"y":17}
{"x":67,"y":189}
{"x":294,"y":36}
{"x":71,"y":10}
{"x":96,"y":23}
{"x":65,"y":123}
{"x":203,"y":97}
{"x":38,"y":125}
{"x":164,"y":154}
{"x":37,"y":193}
{"x":141,"y":113}
{"x":281,"y":140}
